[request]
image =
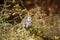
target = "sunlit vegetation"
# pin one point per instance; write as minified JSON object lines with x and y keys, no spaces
{"x":29,"y":19}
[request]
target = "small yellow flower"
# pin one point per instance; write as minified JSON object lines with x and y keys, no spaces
{"x":16,"y":6}
{"x":56,"y":37}
{"x":6,"y":16}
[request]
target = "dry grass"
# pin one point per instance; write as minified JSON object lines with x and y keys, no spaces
{"x":41,"y":29}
